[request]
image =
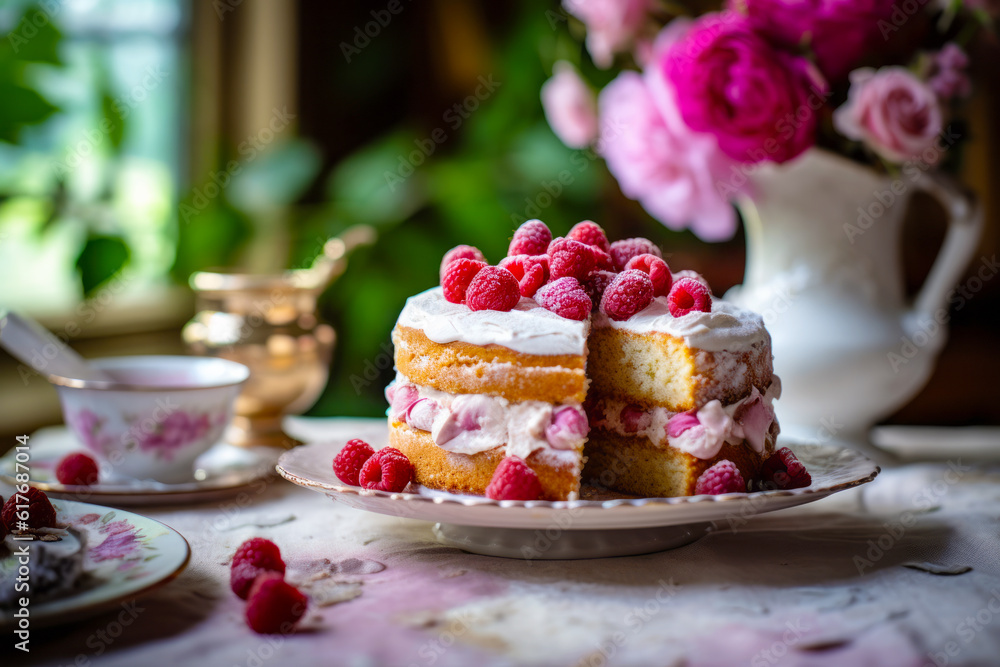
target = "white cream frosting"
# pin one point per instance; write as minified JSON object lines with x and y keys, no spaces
{"x":726,"y":328}
{"x":528,"y":329}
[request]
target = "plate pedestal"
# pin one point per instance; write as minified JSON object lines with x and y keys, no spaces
{"x":557,"y":544}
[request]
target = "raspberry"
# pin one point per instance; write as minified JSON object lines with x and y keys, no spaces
{"x":596,"y":283}
{"x":624,"y":250}
{"x":590,"y":233}
{"x":41,"y":513}
{"x":349,"y":460}
{"x":602,"y":260}
{"x":242,"y":576}
{"x":634,"y":419}
{"x":784,"y":471}
{"x":628,"y":293}
{"x":457,"y":276}
{"x":531,"y":238}
{"x":274,"y":605}
{"x":689,"y":295}
{"x":388,"y":470}
{"x":657,"y":269}
{"x":514,"y":480}
{"x":723,"y":477}
{"x":461,"y":252}
{"x":77,"y":468}
{"x":694,"y":275}
{"x":530,"y":271}
{"x":569,"y":258}
{"x":259,"y":552}
{"x":565,"y":298}
{"x":493,"y":288}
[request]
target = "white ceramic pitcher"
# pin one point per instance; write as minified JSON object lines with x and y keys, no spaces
{"x":824,"y":268}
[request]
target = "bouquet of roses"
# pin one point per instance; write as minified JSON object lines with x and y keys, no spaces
{"x":715,"y":96}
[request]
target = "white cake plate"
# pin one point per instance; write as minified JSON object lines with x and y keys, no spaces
{"x":596,"y":526}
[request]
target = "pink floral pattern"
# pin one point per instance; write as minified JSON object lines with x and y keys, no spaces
{"x":89,"y":427}
{"x":177,"y":430}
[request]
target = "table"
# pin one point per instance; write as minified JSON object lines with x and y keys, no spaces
{"x":903,"y":571}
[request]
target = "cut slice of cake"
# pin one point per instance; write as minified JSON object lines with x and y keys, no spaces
{"x":671,"y":396}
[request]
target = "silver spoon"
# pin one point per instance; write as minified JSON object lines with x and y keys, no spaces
{"x":35,"y":346}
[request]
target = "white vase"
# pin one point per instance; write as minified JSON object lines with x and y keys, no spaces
{"x":823,"y":267}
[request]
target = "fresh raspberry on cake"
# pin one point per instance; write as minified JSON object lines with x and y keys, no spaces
{"x":531,"y":238}
{"x":461,"y":252}
{"x":693,"y":275}
{"x":602,"y":260}
{"x":784,"y":471}
{"x":590,"y":233}
{"x":566,"y":298}
{"x":688,"y":296}
{"x":530,"y":271}
{"x":572,"y":259}
{"x":514,"y":480}
{"x":630,"y":292}
{"x":596,"y":283}
{"x":274,"y":606}
{"x":348,"y":462}
{"x":493,"y":288}
{"x":624,"y":250}
{"x":657,"y":269}
{"x":457,"y":276}
{"x":78,"y":469}
{"x":723,"y":477}
{"x":40,"y":512}
{"x":388,"y":470}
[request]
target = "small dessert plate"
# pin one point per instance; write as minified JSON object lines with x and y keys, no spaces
{"x":600,"y":524}
{"x":222,"y":471}
{"x":125,"y":555}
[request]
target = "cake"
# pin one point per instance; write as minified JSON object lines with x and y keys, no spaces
{"x":53,"y":557}
{"x":587,"y":361}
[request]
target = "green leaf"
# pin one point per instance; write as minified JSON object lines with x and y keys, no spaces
{"x":107,"y":517}
{"x":101,"y":258}
{"x":21,"y":106}
{"x":34,"y":39}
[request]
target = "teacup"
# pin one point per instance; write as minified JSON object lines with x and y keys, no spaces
{"x":158,"y":415}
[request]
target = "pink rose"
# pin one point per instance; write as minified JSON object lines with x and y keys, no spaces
{"x":659,"y":162}
{"x":611,"y":25}
{"x":892,"y":111}
{"x":837,"y":32}
{"x":570,"y":106}
{"x":760,"y":103}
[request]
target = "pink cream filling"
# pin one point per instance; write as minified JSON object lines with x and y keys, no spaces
{"x":473,"y":423}
{"x":701,"y":433}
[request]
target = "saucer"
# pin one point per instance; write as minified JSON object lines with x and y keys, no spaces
{"x":597,"y":525}
{"x":224,"y":470}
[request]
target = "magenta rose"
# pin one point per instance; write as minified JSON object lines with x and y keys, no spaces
{"x":761,"y":104}
{"x":892,"y":111}
{"x":611,"y":25}
{"x":570,"y":106}
{"x":838,"y":32}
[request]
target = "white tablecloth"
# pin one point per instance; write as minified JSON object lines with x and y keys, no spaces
{"x":903,"y":571}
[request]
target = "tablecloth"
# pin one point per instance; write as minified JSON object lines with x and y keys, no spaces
{"x":902,"y":571}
